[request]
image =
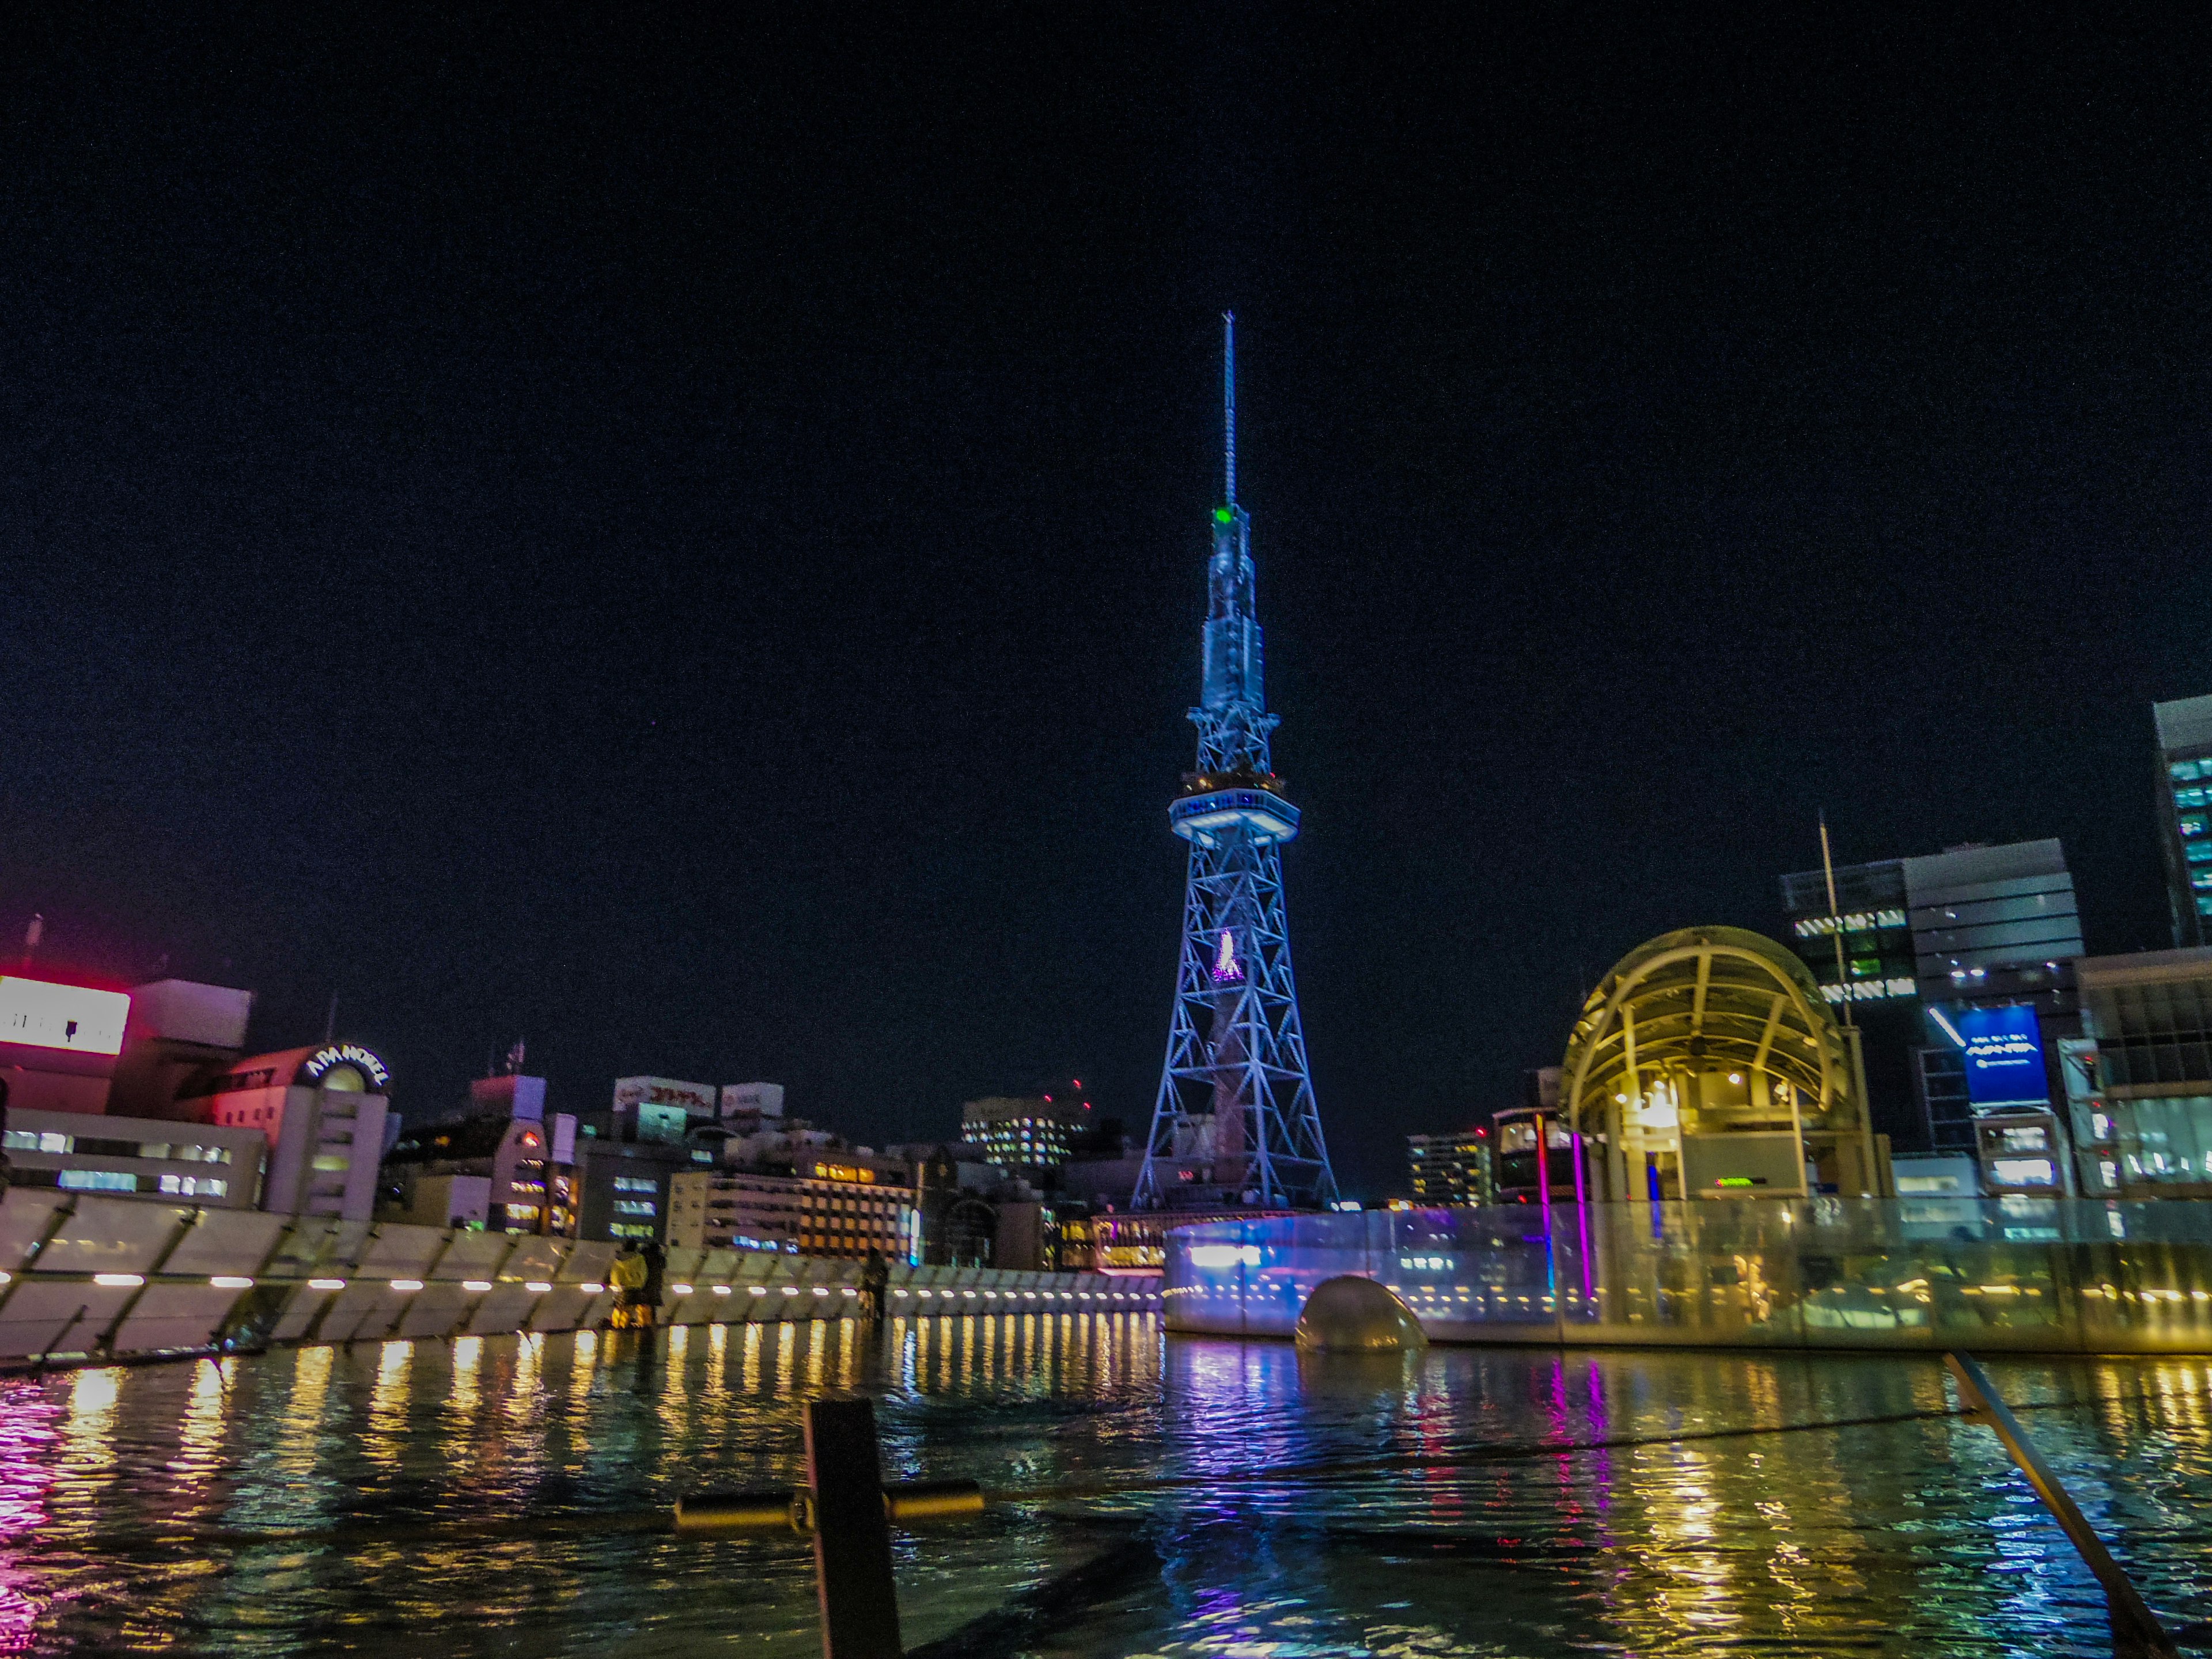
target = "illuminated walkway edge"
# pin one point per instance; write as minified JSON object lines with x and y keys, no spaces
{"x":2027,"y":1275}
{"x":87,"y":1278}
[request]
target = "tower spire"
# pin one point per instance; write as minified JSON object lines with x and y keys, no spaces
{"x":1234,"y":1125}
{"x":1229,"y":402}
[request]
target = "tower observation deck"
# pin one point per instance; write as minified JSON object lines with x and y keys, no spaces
{"x":1235,"y":1124}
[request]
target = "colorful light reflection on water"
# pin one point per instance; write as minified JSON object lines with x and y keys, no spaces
{"x":1315,"y":1507}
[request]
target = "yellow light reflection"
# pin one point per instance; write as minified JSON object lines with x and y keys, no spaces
{"x":468,"y":1354}
{"x":87,"y":1439}
{"x":303,"y":1412}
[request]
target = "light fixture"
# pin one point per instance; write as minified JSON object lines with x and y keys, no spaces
{"x":721,"y":1290}
{"x":231,"y":1282}
{"x":537,"y":1288}
{"x":592,"y":1290}
{"x":476,"y":1287}
{"x":326,"y":1284}
{"x":406,"y":1283}
{"x":681,"y":1290}
{"x":119,"y":1281}
{"x":758,"y":1289}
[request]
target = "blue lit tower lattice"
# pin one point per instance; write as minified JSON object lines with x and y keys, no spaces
{"x":1235,"y":1124}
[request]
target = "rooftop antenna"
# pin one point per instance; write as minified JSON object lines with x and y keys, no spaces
{"x":1229,"y":400}
{"x":331,"y":1022}
{"x":1835,"y":919}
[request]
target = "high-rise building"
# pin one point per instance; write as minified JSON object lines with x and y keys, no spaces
{"x":1039,"y":1131}
{"x":1448,"y":1170}
{"x":2185,"y":814}
{"x":1235,"y":1121}
{"x":1913,"y":947}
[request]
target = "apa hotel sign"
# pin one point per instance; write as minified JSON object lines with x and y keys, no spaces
{"x":327,"y":1067}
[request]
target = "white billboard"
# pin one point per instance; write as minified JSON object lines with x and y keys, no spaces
{"x":43,"y":1015}
{"x":696,"y":1099}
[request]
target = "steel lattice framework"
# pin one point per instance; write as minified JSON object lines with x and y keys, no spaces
{"x":1234,"y":1123}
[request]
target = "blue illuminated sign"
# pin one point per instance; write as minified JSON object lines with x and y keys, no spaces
{"x":2004,"y":1057}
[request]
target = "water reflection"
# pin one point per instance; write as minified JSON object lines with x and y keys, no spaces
{"x":1300,"y":1505}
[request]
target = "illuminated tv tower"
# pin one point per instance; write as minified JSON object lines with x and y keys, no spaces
{"x":1234,"y":1123}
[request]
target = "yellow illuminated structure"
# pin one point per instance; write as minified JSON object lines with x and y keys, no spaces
{"x":1707,"y":1065}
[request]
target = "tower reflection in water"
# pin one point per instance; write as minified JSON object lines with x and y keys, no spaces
{"x":1296,"y":1505}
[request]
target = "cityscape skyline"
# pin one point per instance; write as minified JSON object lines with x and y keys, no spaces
{"x":562,"y":620}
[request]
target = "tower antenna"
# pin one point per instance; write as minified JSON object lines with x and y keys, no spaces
{"x":1229,"y":400}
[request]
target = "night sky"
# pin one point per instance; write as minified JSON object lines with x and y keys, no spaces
{"x":681,"y":535}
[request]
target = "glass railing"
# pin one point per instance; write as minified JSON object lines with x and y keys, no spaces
{"x":2025,"y":1273}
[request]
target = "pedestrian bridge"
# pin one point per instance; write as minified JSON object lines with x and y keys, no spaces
{"x":2036,"y":1275}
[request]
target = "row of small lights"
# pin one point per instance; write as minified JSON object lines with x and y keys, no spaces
{"x":541,"y":1287}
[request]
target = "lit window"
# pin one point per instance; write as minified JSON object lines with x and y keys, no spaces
{"x":2194,"y":797}
{"x":96,"y":1180}
{"x":2183,"y":769}
{"x":330,"y":1161}
{"x":2193,"y":823}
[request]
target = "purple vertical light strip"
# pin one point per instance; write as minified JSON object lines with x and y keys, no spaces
{"x":1582,"y":1215}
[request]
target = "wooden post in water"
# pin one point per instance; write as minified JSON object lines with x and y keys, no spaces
{"x":2136,"y":1634}
{"x":852,"y":1531}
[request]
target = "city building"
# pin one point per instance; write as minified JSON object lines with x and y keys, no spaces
{"x":2185,"y":814}
{"x":1449,"y":1170}
{"x":1910,"y":939}
{"x":805,"y":1193}
{"x":499,"y":1162}
{"x":201,"y":1165}
{"x":1234,"y":1122}
{"x":322,"y":1111}
{"x":2138,"y":1081}
{"x":1040,"y":1131}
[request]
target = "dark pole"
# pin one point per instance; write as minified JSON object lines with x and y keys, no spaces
{"x":852,"y":1531}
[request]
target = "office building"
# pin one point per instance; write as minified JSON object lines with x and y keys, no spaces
{"x":2185,"y":814}
{"x":1449,"y":1170}
{"x":805,"y":1193}
{"x":2138,"y":1080}
{"x":1912,"y":944}
{"x":1038,"y":1131}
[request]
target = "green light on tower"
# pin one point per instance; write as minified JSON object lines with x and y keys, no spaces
{"x":1221,"y":515}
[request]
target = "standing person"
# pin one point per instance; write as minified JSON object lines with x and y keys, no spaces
{"x":628,"y":1276}
{"x":875,"y":1279}
{"x":648,"y":1297}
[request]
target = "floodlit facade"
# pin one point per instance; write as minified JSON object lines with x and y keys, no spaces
{"x":1706,"y":1064}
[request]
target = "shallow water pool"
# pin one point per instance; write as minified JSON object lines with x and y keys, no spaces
{"x":479,"y":1497}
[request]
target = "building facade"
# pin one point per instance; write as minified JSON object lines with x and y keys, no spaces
{"x":841,"y":1203}
{"x":2139,"y":1079}
{"x":2185,"y":814}
{"x":322,"y":1112}
{"x":1916,"y":948}
{"x":1037,"y":1131}
{"x":211,"y":1167}
{"x":1449,"y":1170}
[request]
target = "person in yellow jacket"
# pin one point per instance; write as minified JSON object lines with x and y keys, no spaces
{"x":628,"y":1277}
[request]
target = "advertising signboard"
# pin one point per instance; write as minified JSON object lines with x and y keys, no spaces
{"x":43,"y":1015}
{"x":2004,"y":1049}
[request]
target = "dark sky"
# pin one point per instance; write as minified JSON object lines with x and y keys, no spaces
{"x":681,"y":534}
